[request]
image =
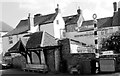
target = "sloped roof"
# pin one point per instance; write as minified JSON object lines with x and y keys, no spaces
{"x":40,"y":39}
{"x":44,"y":19}
{"x":71,"y":19}
{"x":17,"y":48}
{"x":35,"y":40}
{"x":22,"y":27}
{"x":4,"y":27}
{"x":102,"y":22}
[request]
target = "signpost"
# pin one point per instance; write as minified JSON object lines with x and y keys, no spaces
{"x":95,"y":32}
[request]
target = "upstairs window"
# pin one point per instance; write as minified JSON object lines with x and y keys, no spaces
{"x":10,"y":40}
{"x":57,"y":21}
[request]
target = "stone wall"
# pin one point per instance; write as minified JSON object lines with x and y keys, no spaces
{"x":19,"y":62}
{"x":52,"y":58}
{"x":69,"y":60}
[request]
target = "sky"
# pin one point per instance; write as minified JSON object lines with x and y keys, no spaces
{"x":12,"y":11}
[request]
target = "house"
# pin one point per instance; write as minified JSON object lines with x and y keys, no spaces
{"x":4,"y":28}
{"x":73,"y":22}
{"x":51,"y":23}
{"x":17,"y":33}
{"x":106,"y":26}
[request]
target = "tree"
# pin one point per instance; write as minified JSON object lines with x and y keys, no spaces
{"x":112,"y":43}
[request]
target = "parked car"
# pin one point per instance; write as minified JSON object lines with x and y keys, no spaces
{"x":75,"y":69}
{"x":6,"y":66}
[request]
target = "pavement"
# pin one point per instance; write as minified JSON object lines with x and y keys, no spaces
{"x":16,"y":72}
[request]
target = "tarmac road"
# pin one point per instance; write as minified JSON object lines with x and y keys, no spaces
{"x":15,"y":72}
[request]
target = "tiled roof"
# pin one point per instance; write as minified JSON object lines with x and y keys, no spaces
{"x":35,"y":40}
{"x":5,"y":27}
{"x":17,"y":48}
{"x":44,"y":19}
{"x":71,"y":19}
{"x":102,"y":22}
{"x":22,"y":27}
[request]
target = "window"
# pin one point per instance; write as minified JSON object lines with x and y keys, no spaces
{"x":110,"y":30}
{"x":106,"y":31}
{"x":57,"y":21}
{"x":10,"y":40}
{"x":102,"y":32}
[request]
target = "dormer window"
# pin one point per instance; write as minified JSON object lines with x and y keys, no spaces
{"x":57,"y":21}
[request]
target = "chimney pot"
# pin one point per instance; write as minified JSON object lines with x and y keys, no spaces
{"x":79,"y":10}
{"x":115,"y":6}
{"x":57,"y":9}
{"x":29,"y":15}
{"x":37,"y":15}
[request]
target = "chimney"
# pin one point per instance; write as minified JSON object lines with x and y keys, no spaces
{"x":115,"y":6}
{"x":78,"y":10}
{"x":57,"y":10}
{"x":37,"y":15}
{"x":29,"y":18}
{"x":31,"y":22}
{"x":119,"y":5}
{"x":119,"y":12}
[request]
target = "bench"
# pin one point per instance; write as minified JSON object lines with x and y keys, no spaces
{"x":36,"y":68}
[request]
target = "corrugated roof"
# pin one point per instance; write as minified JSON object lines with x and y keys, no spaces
{"x":71,"y":19}
{"x":21,"y":28}
{"x":4,"y":27}
{"x":44,"y":19}
{"x":17,"y":48}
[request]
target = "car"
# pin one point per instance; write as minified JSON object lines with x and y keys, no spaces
{"x":6,"y":66}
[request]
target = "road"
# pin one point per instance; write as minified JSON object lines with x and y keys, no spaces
{"x":15,"y":72}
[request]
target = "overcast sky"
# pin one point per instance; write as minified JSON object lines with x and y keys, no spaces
{"x":12,"y":11}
